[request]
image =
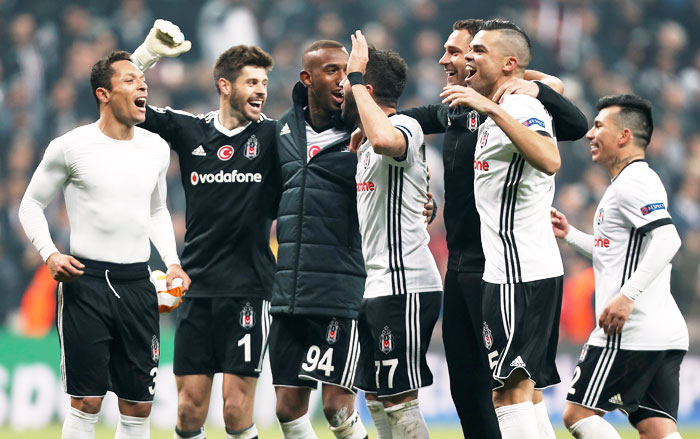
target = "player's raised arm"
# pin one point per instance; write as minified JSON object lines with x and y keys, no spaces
{"x":164,"y":39}
{"x":381,"y":133}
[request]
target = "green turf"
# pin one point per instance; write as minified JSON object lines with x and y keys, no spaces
{"x":54,"y":432}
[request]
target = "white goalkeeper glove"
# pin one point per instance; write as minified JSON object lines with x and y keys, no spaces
{"x":168,"y":299}
{"x":164,"y":39}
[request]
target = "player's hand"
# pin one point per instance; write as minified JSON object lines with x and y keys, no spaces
{"x":615,"y":314}
{"x":64,"y":268}
{"x":560,"y":225}
{"x":516,"y":86}
{"x":359,"y":56}
{"x":468,"y":97}
{"x":166,"y":39}
{"x":174,"y":270}
{"x":430,"y":211}
{"x":357,"y":138}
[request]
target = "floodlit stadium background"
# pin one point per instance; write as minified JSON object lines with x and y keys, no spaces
{"x":651,"y":48}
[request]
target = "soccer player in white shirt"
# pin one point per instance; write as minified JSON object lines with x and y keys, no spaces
{"x":403,"y":289}
{"x":514,"y":164}
{"x":632,"y":359}
{"x":113,"y":177}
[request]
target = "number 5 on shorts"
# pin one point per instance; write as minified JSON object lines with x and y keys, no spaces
{"x":312,"y":360}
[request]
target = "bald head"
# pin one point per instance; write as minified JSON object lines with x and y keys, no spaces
{"x":511,"y":41}
{"x":313,"y":55}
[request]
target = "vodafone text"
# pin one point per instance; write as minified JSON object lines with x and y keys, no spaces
{"x":365,"y":186}
{"x":481,"y":166}
{"x":601,"y":242}
{"x":225,"y":177}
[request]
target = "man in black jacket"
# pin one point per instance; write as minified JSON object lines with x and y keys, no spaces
{"x":462,"y":321}
{"x":320,"y":274}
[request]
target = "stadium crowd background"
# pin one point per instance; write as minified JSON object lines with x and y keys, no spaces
{"x":651,"y":48}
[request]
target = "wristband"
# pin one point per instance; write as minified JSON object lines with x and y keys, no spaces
{"x":355,"y":78}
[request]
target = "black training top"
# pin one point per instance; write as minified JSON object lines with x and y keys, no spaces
{"x":232,"y":185}
{"x":461,"y":125}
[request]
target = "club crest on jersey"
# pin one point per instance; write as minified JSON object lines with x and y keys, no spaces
{"x":333,"y":330}
{"x":247,"y":316}
{"x":599,"y":216}
{"x":366,"y":159}
{"x":472,"y":120}
{"x":155,"y":349}
{"x":252,"y":148}
{"x":225,"y":152}
{"x":484,"y":138}
{"x":584,"y":351}
{"x":488,"y":337}
{"x":386,"y":340}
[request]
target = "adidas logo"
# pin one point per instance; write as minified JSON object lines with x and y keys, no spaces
{"x":285,"y":130}
{"x":518,"y":362}
{"x":199,"y":151}
{"x":617,"y":400}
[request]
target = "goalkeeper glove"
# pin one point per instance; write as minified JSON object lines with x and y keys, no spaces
{"x":164,"y":39}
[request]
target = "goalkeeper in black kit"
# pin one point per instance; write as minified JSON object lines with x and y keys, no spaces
{"x":230,"y":173}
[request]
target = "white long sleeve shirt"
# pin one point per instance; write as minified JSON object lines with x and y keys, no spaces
{"x":115,"y":195}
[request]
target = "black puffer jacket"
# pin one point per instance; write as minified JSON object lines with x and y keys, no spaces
{"x":320,"y":270}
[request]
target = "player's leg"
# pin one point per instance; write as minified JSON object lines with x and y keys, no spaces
{"x":288,"y":347}
{"x":462,"y":334}
{"x":241,"y":327}
{"x":379,"y":416}
{"x":239,"y":399}
{"x":82,"y":310}
{"x":339,"y":409}
{"x":514,"y":408}
{"x":193,"y":396}
{"x":658,"y":408}
{"x":585,"y":423}
{"x":134,"y":421}
{"x":81,"y":418}
{"x":135,"y":352}
{"x":544,"y":424}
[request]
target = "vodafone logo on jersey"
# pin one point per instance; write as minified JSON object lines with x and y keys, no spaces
{"x":225,"y":152}
{"x":225,"y":177}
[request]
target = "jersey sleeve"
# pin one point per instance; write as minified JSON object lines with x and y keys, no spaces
{"x":569,"y":122}
{"x":162,"y":233}
{"x":413,"y":135}
{"x":530,"y":113}
{"x":168,"y":123}
{"x":642,"y":201}
{"x":49,"y":176}
{"x":432,"y":118}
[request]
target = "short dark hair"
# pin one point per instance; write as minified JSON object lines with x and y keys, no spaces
{"x":471,"y":25}
{"x":387,"y":72}
{"x":102,"y":71}
{"x":513,"y":30}
{"x":323,"y":44}
{"x":635,"y":114}
{"x":230,"y":63}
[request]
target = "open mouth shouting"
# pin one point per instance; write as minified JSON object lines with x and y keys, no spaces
{"x":140,"y":103}
{"x":471,"y":71}
{"x":256,"y":104}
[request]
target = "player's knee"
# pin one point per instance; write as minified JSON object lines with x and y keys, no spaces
{"x":237,"y":411}
{"x":336,"y":415}
{"x":288,"y":413}
{"x":87,"y":405}
{"x":135,"y":409}
{"x":190,"y":412}
{"x":572,"y":415}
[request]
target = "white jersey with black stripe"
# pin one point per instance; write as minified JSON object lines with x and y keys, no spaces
{"x":390,"y":198}
{"x":634,"y":204}
{"x":513,"y":200}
